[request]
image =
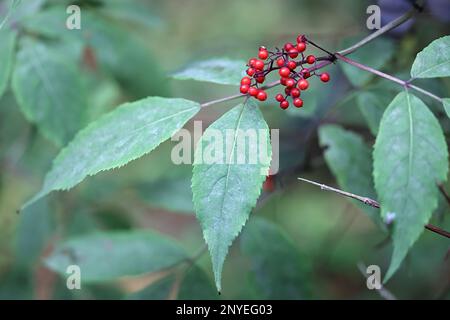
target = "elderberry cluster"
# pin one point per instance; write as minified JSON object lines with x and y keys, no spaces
{"x":293,"y":73}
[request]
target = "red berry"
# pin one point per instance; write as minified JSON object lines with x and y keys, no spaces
{"x":246,"y":80}
{"x":262,"y":95}
{"x":310,"y":59}
{"x":280,"y":62}
{"x":263,"y":54}
{"x":290,"y":83}
{"x":251,"y":71}
{"x":244,"y":88}
{"x":295,"y":93}
{"x":259,"y":65}
{"x":288,"y":91}
{"x":325,"y":77}
{"x":284,"y":104}
{"x":300,"y":38}
{"x":301,"y":46}
{"x":260,"y":79}
{"x":303,"y":84}
{"x":293,"y":53}
{"x":253,"y":91}
{"x":292,"y":65}
{"x":306,"y":74}
{"x":251,"y":62}
{"x":279,"y":97}
{"x":288,"y":46}
{"x":298,"y":102}
{"x":283,"y":81}
{"x":284,"y":72}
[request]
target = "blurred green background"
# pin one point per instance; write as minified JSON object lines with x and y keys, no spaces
{"x":125,"y":50}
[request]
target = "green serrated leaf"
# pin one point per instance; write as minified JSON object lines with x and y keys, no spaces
{"x":108,"y":256}
{"x":8,"y":43}
{"x":410,"y":157}
{"x":446,"y":104}
{"x":433,"y":61}
{"x":279,"y":272}
{"x":224,"y":191}
{"x":125,"y":134}
{"x":350,"y":160}
{"x":218,"y":70}
{"x":375,"y":54}
{"x":372,"y":105}
{"x":49,"y":91}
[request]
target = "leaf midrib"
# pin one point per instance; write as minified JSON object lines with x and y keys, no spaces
{"x":219,"y":234}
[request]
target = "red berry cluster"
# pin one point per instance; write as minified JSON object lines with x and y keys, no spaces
{"x":293,"y":73}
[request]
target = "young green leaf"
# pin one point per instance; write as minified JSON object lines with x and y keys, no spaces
{"x":226,"y":188}
{"x":108,"y":256}
{"x":219,"y":70}
{"x":125,"y":134}
{"x":433,"y":61}
{"x":49,"y":91}
{"x":446,"y":104}
{"x":279,"y":272}
{"x":410,"y":157}
{"x":8,"y":42}
{"x":350,"y":160}
{"x":372,"y":105}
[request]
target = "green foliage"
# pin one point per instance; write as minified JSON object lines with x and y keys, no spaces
{"x":410,"y":157}
{"x":375,"y":54}
{"x":63,"y":79}
{"x":125,"y":134}
{"x":372,"y":105}
{"x":8,"y":41}
{"x":226,"y":191}
{"x":193,"y":285}
{"x":50,"y":91}
{"x":139,"y":13}
{"x":350,"y":160}
{"x":108,"y":256}
{"x":173,"y":194}
{"x":124,"y":55}
{"x":278,"y":270}
{"x":434,"y":60}
{"x":446,"y":104}
{"x":218,"y":70}
{"x":35,"y":229}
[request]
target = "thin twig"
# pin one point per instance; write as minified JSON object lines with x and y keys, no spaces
{"x":388,"y":27}
{"x":365,"y":200}
{"x":372,"y":203}
{"x":383,"y":292}
{"x":386,"y":76}
{"x":444,"y":193}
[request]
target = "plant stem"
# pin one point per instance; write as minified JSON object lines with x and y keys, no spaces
{"x":388,"y":27}
{"x":386,"y":76}
{"x":383,"y":292}
{"x":372,"y":203}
